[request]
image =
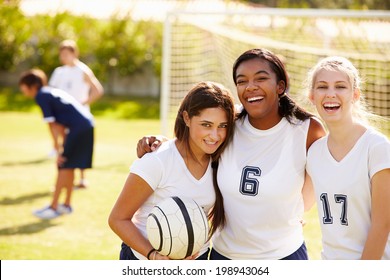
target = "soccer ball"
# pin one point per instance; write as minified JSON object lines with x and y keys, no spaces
{"x":177,"y":227}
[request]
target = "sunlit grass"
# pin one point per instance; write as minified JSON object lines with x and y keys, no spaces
{"x":26,"y":182}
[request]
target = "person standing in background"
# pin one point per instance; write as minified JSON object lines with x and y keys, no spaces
{"x":77,"y":79}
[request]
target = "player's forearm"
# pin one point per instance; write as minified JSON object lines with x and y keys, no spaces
{"x":56,"y":132}
{"x":95,"y":94}
{"x":129,"y":234}
{"x":375,"y":243}
{"x":96,"y":90}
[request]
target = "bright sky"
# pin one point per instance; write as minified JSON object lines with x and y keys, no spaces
{"x":157,"y":9}
{"x":140,"y":9}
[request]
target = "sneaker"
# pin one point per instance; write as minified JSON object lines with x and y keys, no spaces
{"x":80,"y":186}
{"x":64,"y":209}
{"x":46,"y":213}
{"x":52,"y":153}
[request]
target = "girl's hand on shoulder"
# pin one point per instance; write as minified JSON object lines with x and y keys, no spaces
{"x":148,"y":144}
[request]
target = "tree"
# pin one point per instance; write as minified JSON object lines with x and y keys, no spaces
{"x":329,"y":4}
{"x":12,"y":38}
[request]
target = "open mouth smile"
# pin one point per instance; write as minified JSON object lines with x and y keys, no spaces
{"x":255,"y":99}
{"x":331,"y":106}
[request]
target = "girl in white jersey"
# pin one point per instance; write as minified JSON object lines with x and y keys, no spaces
{"x":350,"y":167}
{"x":181,"y":167}
{"x":75,"y":77}
{"x":261,"y":173}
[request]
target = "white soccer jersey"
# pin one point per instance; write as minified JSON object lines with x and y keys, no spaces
{"x":261,"y":175}
{"x":71,"y":79}
{"x":167,"y":174}
{"x":343,"y":193}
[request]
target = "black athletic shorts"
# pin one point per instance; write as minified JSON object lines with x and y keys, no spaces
{"x":78,"y":148}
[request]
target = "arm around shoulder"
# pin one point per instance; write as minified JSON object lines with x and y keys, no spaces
{"x":316,"y":131}
{"x":308,"y":193}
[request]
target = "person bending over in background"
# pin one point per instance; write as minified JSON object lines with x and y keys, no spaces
{"x":63,"y":113}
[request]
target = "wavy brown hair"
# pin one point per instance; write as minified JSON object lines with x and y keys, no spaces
{"x":202,"y":96}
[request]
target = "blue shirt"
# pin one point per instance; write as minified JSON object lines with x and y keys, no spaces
{"x":59,"y":106}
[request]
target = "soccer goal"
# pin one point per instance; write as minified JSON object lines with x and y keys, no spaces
{"x":203,"y":46}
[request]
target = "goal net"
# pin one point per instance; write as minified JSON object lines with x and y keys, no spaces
{"x":203,"y":46}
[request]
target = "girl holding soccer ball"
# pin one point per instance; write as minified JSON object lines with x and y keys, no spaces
{"x":183,"y":166}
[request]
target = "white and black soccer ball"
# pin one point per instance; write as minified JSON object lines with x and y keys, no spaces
{"x":177,"y":227}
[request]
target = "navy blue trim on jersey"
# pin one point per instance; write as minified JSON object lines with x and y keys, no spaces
{"x":204,"y":256}
{"x":300,"y":254}
{"x":127,"y":254}
{"x":63,"y":108}
{"x":214,"y":255}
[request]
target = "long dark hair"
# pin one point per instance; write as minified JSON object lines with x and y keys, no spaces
{"x":202,"y":96}
{"x":288,"y":108}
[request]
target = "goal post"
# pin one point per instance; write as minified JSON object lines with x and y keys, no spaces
{"x":199,"y":46}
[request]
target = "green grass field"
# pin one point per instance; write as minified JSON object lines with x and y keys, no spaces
{"x":27,"y":178}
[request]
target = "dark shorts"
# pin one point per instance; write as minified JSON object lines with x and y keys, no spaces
{"x":78,"y":148}
{"x":300,"y":254}
{"x":127,"y":254}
